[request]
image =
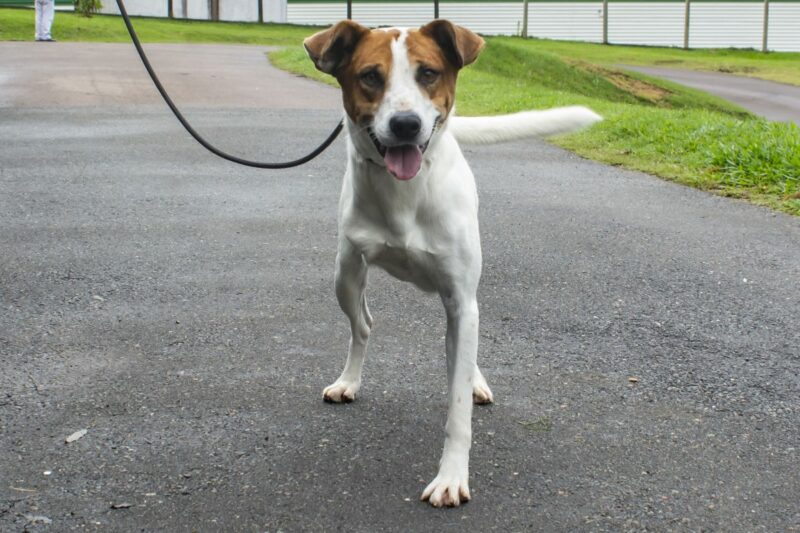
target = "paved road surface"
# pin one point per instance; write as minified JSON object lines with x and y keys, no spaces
{"x":181,"y":310}
{"x":100,"y":74}
{"x":775,"y":101}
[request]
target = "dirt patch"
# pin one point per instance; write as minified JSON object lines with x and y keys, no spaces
{"x":641,"y":89}
{"x":736,"y":70}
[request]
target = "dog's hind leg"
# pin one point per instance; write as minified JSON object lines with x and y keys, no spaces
{"x":351,"y":283}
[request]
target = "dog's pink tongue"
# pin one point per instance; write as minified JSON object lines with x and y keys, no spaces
{"x":403,"y":161}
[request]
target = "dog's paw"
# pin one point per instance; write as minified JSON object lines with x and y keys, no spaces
{"x":341,"y":392}
{"x":446,"y":491}
{"x":481,"y":393}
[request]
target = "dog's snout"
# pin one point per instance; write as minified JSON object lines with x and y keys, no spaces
{"x":405,"y":126}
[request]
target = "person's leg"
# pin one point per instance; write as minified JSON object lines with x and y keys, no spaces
{"x":47,"y":18}
{"x":38,"y":9}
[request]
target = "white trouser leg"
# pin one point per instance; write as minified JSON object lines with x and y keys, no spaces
{"x":38,"y":6}
{"x":47,"y":12}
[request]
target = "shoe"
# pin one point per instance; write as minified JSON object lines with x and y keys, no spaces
{"x":49,"y":40}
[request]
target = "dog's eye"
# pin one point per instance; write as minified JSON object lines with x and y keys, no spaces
{"x":427,"y":76}
{"x":372,"y":79}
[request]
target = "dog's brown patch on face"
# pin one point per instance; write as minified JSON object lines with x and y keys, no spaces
{"x":364,"y":80}
{"x":362,"y":62}
{"x":424,"y":56}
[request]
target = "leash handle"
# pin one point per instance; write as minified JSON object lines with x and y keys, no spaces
{"x":208,"y":146}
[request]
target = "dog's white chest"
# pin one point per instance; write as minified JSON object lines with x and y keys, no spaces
{"x":406,"y":257}
{"x":422,"y":231}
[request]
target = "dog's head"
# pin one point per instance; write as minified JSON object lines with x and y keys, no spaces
{"x":398,"y":85}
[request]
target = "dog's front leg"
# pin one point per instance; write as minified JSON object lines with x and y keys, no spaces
{"x":451,"y":485}
{"x":351,"y":282}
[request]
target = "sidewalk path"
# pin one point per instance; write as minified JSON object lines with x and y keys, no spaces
{"x":775,"y":101}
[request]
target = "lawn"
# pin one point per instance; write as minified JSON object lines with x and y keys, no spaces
{"x":652,"y":125}
{"x":16,"y":24}
{"x":776,"y":66}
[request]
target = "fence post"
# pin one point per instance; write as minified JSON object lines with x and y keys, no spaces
{"x":349,"y":9}
{"x":170,"y":11}
{"x":686,"y":15}
{"x":764,"y":43}
{"x":260,"y":11}
{"x":524,"y":19}
{"x":605,"y":21}
{"x":435,"y":9}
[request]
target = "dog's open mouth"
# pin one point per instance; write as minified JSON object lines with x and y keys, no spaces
{"x":403,"y":161}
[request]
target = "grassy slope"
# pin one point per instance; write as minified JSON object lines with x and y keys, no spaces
{"x":783,"y":67}
{"x":651,"y":125}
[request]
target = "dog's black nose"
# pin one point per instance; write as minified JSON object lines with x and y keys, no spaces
{"x":405,"y":125}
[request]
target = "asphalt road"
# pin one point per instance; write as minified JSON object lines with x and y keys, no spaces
{"x":775,"y":101}
{"x":641,"y":338}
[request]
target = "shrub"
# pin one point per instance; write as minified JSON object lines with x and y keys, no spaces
{"x":87,"y":7}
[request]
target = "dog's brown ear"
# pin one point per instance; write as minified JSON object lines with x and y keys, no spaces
{"x":460,"y":46}
{"x":332,"y":49}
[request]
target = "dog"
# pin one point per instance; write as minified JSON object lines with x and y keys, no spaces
{"x":409,"y":202}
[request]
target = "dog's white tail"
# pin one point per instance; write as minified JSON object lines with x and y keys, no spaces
{"x":487,"y":130}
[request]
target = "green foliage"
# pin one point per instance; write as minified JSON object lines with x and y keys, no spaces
{"x":758,"y":154}
{"x":17,"y":24}
{"x":777,"y":66}
{"x":295,"y":59}
{"x":87,"y":7}
{"x":546,"y":70}
{"x":651,"y":125}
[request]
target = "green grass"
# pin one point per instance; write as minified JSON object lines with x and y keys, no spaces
{"x":782,"y":67}
{"x":651,"y":125}
{"x":17,"y":25}
{"x":744,"y":158}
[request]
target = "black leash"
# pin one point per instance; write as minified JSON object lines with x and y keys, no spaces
{"x":216,"y":151}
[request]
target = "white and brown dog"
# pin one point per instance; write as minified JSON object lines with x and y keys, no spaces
{"x":409,"y":203}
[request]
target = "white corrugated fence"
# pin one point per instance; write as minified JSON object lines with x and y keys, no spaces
{"x":712,"y":24}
